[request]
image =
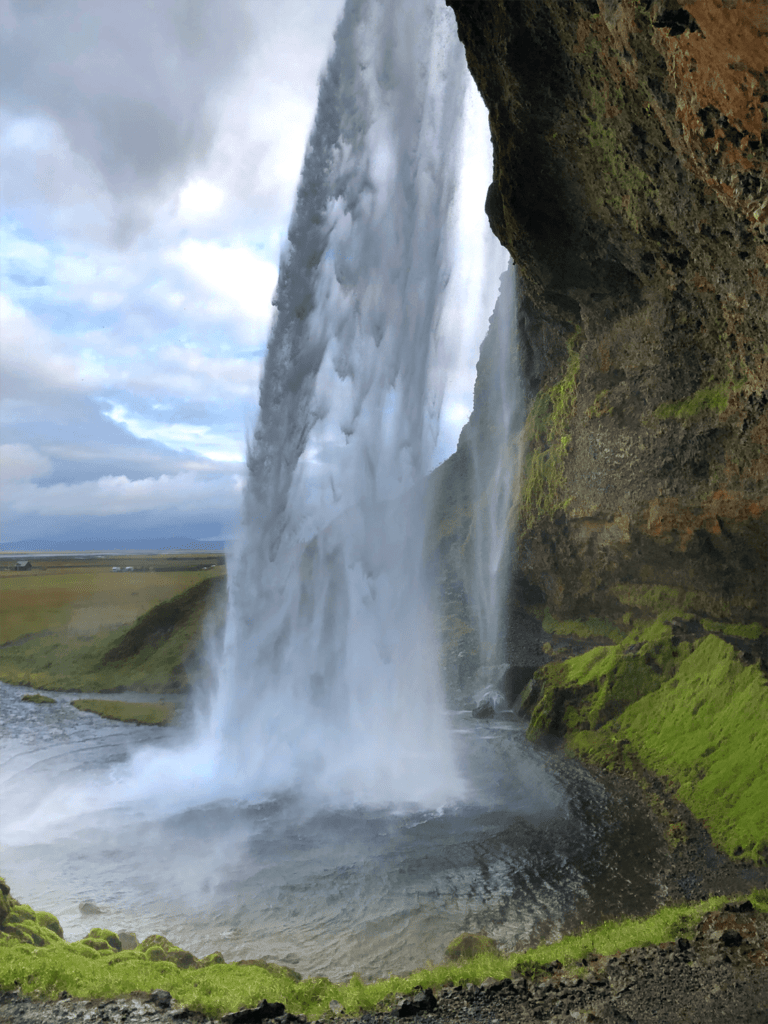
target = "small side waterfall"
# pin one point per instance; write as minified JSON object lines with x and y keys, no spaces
{"x":328,"y":679}
{"x":495,"y":446}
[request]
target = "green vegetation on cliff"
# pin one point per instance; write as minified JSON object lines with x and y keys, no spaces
{"x":688,"y":708}
{"x":548,"y":441}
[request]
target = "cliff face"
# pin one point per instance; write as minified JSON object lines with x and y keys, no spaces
{"x":631,"y":188}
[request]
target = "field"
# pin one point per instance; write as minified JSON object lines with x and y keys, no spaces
{"x":71,"y":623}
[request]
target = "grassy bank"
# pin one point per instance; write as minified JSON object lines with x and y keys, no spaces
{"x":140,"y":713}
{"x":150,"y":653}
{"x":35,"y":958}
{"x":678,"y":698}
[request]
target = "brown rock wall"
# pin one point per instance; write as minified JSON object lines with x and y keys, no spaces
{"x":631,"y":187}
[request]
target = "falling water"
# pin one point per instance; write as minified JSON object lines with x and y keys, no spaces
{"x":494,"y":439}
{"x":324,"y":809}
{"x":327,"y":680}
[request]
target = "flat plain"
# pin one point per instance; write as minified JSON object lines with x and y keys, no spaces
{"x":60,"y":620}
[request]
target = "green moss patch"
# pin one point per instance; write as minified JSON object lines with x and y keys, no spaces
{"x":582,"y":629}
{"x":37,"y":698}
{"x":707,"y":732}
{"x":140,"y":713}
{"x":468,"y":945}
{"x":712,"y":399}
{"x":691,"y":711}
{"x":589,"y":690}
{"x":654,"y":599}
{"x":548,"y":441}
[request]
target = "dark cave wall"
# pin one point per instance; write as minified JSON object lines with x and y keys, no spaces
{"x":631,"y":188}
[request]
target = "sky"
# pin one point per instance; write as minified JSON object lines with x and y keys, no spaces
{"x":150,"y":153}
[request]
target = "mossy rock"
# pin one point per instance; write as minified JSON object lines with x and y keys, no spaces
{"x":105,"y":935}
{"x":84,"y":949}
{"x":468,"y":944}
{"x":6,"y":901}
{"x":21,"y":912}
{"x":279,"y":970}
{"x":46,"y":920}
{"x":128,"y":940}
{"x":157,"y":940}
{"x":156,"y":953}
{"x":213,"y":958}
{"x":182,"y":958}
{"x":37,"y":698}
{"x":100,"y":945}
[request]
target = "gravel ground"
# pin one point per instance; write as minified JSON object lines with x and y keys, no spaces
{"x":722,"y":976}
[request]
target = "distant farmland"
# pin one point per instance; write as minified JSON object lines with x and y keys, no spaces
{"x":59,"y":621}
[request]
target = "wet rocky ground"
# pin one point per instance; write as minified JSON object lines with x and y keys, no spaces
{"x":721,"y":976}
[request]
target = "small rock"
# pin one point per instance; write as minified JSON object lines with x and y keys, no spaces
{"x":160,"y":998}
{"x":739,"y":908}
{"x":335,"y":1006}
{"x":731,"y":937}
{"x":88,"y":908}
{"x":419,"y":1002}
{"x":484,"y":709}
{"x":128,"y":940}
{"x":254,"y":1014}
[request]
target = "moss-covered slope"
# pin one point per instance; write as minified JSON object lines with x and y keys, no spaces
{"x":682,"y":699}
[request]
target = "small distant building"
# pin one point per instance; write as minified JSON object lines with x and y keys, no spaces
{"x":116,"y":568}
{"x":128,"y":568}
{"x":23,"y":566}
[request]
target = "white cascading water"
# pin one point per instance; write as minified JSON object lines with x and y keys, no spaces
{"x":317,"y":812}
{"x":328,"y":676}
{"x":495,"y":442}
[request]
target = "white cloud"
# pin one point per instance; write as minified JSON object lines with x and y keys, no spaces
{"x":46,"y":362}
{"x":234,"y":273}
{"x":200,"y":199}
{"x":21,"y":462}
{"x":117,"y":495}
{"x":183,"y":436}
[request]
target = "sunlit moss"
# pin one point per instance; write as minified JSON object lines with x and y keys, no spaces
{"x":691,"y":711}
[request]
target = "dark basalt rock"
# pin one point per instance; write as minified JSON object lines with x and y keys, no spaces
{"x":419,"y":1002}
{"x":633,"y":195}
{"x":253,"y":1015}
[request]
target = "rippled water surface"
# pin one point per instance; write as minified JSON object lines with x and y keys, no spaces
{"x":538,"y":845}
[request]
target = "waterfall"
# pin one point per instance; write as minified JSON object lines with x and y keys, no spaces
{"x":494,"y":440}
{"x":327,"y":682}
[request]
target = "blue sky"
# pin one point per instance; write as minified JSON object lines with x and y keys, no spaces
{"x":150,"y":155}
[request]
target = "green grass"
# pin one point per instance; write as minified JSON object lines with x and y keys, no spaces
{"x":748,"y":631}
{"x":695,"y":714}
{"x":707,"y":731}
{"x":37,"y":698}
{"x":149,"y":656}
{"x":157,"y":713}
{"x":93,"y":969}
{"x":83,"y":601}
